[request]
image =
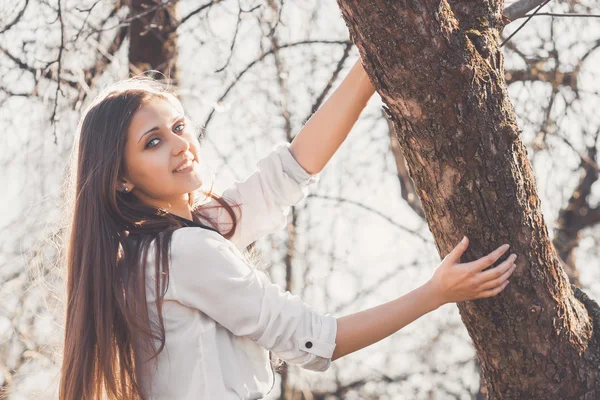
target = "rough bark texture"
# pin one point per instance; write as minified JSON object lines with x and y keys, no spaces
{"x":153,"y":41}
{"x":439,"y":70}
{"x":407,"y":187}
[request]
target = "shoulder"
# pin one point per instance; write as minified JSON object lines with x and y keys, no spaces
{"x":193,"y":245}
{"x":202,"y":261}
{"x":196,"y":240}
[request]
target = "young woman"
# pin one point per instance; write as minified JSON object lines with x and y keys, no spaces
{"x":161,"y":301}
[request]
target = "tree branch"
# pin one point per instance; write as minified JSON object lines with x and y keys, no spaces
{"x":17,"y":18}
{"x":563,"y":15}
{"x":259,"y":59}
{"x":376,"y":212}
{"x":520,"y":8}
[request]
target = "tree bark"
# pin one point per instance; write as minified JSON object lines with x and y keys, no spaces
{"x":439,"y":70}
{"x":407,"y":187}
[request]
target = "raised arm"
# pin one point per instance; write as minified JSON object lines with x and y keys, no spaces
{"x":284,"y":175}
{"x":451,"y":282}
{"x":325,"y":131}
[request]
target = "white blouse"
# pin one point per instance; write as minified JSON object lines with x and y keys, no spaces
{"x":221,"y":314}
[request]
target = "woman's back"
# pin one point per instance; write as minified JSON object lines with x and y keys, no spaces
{"x":220,"y":313}
{"x":201,"y":359}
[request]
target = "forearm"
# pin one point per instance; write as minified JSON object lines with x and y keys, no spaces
{"x":359,"y":330}
{"x":325,"y":131}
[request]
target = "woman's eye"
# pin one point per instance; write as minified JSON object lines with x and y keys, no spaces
{"x":176,"y":131}
{"x":182,"y":126}
{"x":148,"y":144}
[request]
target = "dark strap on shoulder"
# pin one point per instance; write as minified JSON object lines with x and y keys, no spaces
{"x":189,"y":223}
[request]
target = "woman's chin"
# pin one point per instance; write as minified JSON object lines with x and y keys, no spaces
{"x":196,"y":185}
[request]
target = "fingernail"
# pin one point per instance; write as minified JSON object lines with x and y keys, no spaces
{"x":506,"y":246}
{"x":464,"y":240}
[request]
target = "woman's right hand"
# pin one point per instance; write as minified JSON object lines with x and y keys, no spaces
{"x":454,"y":282}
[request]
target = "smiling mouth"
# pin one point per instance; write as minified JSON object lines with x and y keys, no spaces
{"x":185,"y":167}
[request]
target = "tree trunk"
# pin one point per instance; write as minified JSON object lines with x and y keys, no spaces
{"x":153,"y":38}
{"x":439,"y":70}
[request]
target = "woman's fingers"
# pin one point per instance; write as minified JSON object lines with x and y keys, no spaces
{"x":486,"y":261}
{"x":470,"y":281}
{"x":454,"y":256}
{"x":495,"y":282}
{"x":490,"y":274}
{"x":493,"y":292}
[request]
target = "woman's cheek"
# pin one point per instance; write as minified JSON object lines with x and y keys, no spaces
{"x":153,"y":168}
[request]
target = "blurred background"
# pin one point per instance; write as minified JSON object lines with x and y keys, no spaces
{"x":252,"y":73}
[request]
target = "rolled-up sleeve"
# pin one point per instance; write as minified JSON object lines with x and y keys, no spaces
{"x":208,"y":274}
{"x":265,"y":196}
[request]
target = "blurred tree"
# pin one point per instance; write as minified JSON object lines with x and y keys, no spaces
{"x":153,"y":37}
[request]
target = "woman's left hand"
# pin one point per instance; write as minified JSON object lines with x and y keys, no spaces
{"x":454,"y":282}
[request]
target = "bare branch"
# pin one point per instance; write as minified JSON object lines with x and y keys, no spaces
{"x":196,"y":11}
{"x":520,"y":8}
{"x":565,"y":15}
{"x":535,"y":74}
{"x":235,"y":34}
{"x":58,"y":89}
{"x":379,"y":213}
{"x":262,"y":57}
{"x":17,"y":18}
{"x":525,"y":23}
{"x":37,"y":72}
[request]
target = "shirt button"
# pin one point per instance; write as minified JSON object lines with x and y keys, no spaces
{"x":308,"y":345}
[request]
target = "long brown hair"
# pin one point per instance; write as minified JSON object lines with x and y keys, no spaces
{"x":108,"y":236}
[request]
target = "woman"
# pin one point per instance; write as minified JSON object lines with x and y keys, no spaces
{"x":161,"y":302}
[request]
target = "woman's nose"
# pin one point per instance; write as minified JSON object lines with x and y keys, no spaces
{"x":180,"y":144}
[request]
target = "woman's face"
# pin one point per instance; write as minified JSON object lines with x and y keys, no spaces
{"x":159,"y":140}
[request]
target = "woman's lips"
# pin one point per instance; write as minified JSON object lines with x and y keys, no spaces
{"x":188,"y":169}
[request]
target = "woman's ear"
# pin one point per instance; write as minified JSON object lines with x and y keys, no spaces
{"x":123,"y":185}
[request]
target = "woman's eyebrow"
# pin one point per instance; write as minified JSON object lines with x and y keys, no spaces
{"x":177,"y":117}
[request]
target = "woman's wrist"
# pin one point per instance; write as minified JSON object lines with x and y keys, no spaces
{"x":361,"y":329}
{"x":365,"y":84}
{"x":434,"y":294}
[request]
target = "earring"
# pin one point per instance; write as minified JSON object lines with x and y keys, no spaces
{"x":126,"y":190}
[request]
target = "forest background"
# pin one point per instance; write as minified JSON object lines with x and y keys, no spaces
{"x":251,"y":74}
